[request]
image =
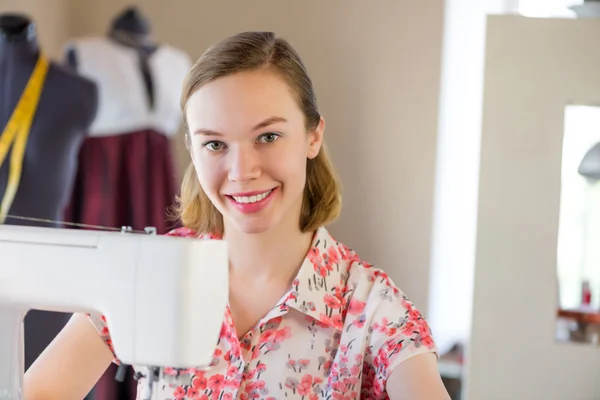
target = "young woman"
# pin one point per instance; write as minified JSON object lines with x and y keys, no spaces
{"x":306,"y":319}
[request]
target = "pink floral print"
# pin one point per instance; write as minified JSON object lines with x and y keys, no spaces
{"x":338,"y":333}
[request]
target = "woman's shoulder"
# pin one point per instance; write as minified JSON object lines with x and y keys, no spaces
{"x":190,"y":233}
{"x":361,"y":274}
{"x":367,"y":282}
{"x":397,"y":329}
{"x":373,"y":286}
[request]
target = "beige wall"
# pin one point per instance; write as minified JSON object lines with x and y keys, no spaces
{"x":534,"y":68}
{"x":51,"y":17}
{"x":376,"y":71}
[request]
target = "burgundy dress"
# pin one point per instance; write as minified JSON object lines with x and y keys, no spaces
{"x":126,"y":174}
{"x":125,"y":180}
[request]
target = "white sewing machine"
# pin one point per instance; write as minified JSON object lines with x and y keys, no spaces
{"x":164,"y":297}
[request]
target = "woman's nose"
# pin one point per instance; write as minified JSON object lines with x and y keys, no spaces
{"x":244,"y":165}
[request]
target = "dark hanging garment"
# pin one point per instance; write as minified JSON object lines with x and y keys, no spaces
{"x":125,"y":180}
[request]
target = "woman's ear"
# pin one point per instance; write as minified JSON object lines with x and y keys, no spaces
{"x":188,"y":140}
{"x":188,"y":145}
{"x":315,"y":139}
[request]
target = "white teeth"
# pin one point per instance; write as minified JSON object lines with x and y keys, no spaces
{"x":251,"y":199}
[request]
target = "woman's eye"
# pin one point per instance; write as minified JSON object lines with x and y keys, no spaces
{"x":268,"y":138}
{"x":214,"y":146}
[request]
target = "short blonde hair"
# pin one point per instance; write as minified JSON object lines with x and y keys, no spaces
{"x":245,"y":52}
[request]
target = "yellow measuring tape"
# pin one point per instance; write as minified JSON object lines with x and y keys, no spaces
{"x":17,"y":130}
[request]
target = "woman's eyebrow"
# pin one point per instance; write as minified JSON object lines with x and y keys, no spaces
{"x":269,"y":121}
{"x":260,"y":125}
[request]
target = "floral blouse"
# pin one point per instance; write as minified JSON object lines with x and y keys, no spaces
{"x":338,"y":333}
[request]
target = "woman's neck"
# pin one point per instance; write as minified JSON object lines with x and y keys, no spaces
{"x":272,"y":256}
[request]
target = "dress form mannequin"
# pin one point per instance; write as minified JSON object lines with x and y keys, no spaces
{"x":126,"y":174}
{"x":66,"y":109}
{"x":131,"y":29}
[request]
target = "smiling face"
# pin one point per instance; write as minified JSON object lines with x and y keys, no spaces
{"x":250,"y":146}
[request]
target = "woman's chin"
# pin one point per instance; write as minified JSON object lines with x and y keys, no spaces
{"x":252,"y":225}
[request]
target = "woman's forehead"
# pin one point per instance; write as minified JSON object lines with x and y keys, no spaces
{"x":242,"y":101}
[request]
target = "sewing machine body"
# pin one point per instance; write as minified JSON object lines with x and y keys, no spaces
{"x":164,"y":297}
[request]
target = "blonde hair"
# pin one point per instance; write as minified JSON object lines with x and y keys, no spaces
{"x":245,"y":52}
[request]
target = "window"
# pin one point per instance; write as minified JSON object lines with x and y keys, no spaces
{"x":579,"y":226}
{"x":547,"y":8}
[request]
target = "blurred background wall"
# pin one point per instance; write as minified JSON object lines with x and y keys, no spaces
{"x":535,"y":68}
